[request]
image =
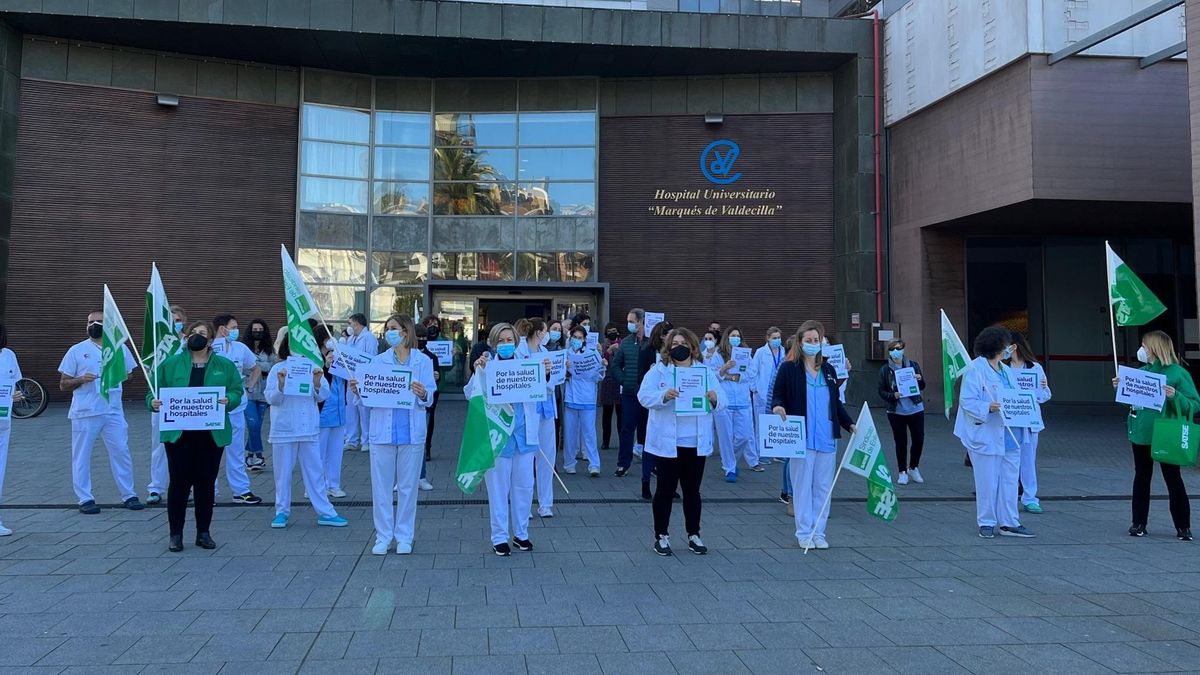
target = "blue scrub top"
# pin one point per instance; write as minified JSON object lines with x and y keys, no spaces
{"x":401,"y":420}
{"x":816,"y":415}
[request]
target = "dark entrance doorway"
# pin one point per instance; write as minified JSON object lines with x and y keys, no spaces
{"x":494,"y":311}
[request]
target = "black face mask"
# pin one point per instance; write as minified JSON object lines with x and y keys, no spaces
{"x":433,"y":332}
{"x":613,"y":335}
{"x":197,"y":342}
{"x":680,"y":353}
{"x":95,"y":330}
{"x":257,"y":334}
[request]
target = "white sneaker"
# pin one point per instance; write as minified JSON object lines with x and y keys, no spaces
{"x":4,"y":531}
{"x":337,"y":493}
{"x":402,"y":549}
{"x":820,"y":542}
{"x":425,"y":485}
{"x":579,"y":457}
{"x":903,"y":479}
{"x":365,"y":448}
{"x":637,"y":449}
{"x":349,"y":447}
{"x":570,"y":470}
{"x":915,"y":473}
{"x":380,"y":548}
{"x":806,"y":543}
{"x":594,"y":473}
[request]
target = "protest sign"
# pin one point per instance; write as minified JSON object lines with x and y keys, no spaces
{"x":652,"y":320}
{"x":777,"y":438}
{"x":347,"y":361}
{"x":386,"y":385}
{"x":692,"y":385}
{"x":1027,"y":380}
{"x":7,"y":387}
{"x":299,"y":376}
{"x":1019,"y":409}
{"x":741,"y":356}
{"x":558,"y":367}
{"x":585,"y":362}
{"x":515,"y":381}
{"x":836,"y":355}
{"x":906,"y":382}
{"x":443,"y":350}
{"x":593,"y":340}
{"x":191,"y":408}
{"x":1141,"y":388}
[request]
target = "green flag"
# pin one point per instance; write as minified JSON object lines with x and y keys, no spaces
{"x":159,"y":339}
{"x":864,"y":456}
{"x":1134,"y":303}
{"x":300,"y":308}
{"x":113,"y":369}
{"x":485,"y":434}
{"x":955,"y":360}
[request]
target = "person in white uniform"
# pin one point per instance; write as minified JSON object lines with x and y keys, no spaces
{"x":735,"y":426}
{"x":358,"y":416}
{"x":159,"y":474}
{"x":10,"y":372}
{"x":533,"y":343}
{"x":92,"y":416}
{"x":397,"y":438}
{"x":1022,"y":360}
{"x":227,"y":345}
{"x":582,"y":387}
{"x":994,"y":448}
{"x":294,"y":438}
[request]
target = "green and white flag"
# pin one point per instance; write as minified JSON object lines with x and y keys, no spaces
{"x":864,"y":456}
{"x":159,"y":339}
{"x":300,"y":308}
{"x":1134,"y":304}
{"x":113,"y":369}
{"x":955,"y":360}
{"x":485,"y":434}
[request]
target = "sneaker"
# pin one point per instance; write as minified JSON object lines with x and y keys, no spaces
{"x":987,"y":532}
{"x":638,"y":448}
{"x":332,"y":521}
{"x":280,"y":521}
{"x":1018,"y":531}
{"x":523,"y":544}
{"x":570,"y":470}
{"x":89,"y":508}
{"x":646,"y":494}
{"x":5,"y":532}
{"x":902,"y":479}
{"x":731,"y":477}
{"x":134,"y":504}
{"x":501,"y":550}
{"x":758,"y":468}
{"x":337,"y":493}
{"x":791,"y":508}
{"x":783,"y":498}
{"x":350,"y":447}
{"x":248,"y":499}
{"x":424,"y":485}
{"x":403,"y":549}
{"x":662,"y":545}
{"x":696,"y":546}
{"x":580,"y":457}
{"x":365,"y":448}
{"x":621,"y":471}
{"x":915,"y":474}
{"x":806,"y":544}
{"x":1184,"y":534}
{"x":819,"y":542}
{"x":546,"y":514}
{"x":1137,"y":530}
{"x":380,"y":547}
{"x":1033,"y":507}
{"x":594,"y":473}
{"x":153,"y":498}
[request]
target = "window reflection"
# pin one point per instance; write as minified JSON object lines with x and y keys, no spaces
{"x":401,"y":198}
{"x":400,"y":128}
{"x":389,"y":300}
{"x":476,"y":129}
{"x":474,"y":164}
{"x":558,"y":163}
{"x":402,"y":163}
{"x":321,"y":265}
{"x":562,"y":266}
{"x":473,"y":266}
{"x":333,"y":194}
{"x":561,"y":199}
{"x":334,"y":159}
{"x":399,"y":268}
{"x":473,"y":199}
{"x":336,"y":124}
{"x":337,"y":303}
{"x":558,"y":128}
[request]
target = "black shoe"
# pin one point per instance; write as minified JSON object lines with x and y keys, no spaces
{"x":203,"y":540}
{"x":501,"y":549}
{"x":783,"y":498}
{"x":605,"y":446}
{"x":89,"y":508}
{"x":1137,"y":530}
{"x":646,"y":490}
{"x":176,"y":544}
{"x":662,"y":545}
{"x":428,"y":458}
{"x":621,"y":471}
{"x":966,"y":460}
{"x":1184,"y":534}
{"x":696,"y":546}
{"x":133,"y":504}
{"x":523,"y":544}
{"x":248,"y":499}
{"x":676,"y":496}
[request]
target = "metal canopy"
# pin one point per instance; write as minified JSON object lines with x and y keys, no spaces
{"x":1117,"y":28}
{"x":1162,"y":55}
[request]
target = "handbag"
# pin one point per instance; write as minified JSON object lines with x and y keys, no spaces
{"x":1175,"y":438}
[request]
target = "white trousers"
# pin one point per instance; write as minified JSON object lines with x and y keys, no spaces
{"x":114,"y":431}
{"x":734,"y":433}
{"x":358,"y":422}
{"x":398,"y":466}
{"x":996,"y":488}
{"x":544,"y":465}
{"x":812,"y":479}
{"x":235,"y":457}
{"x":331,"y":443}
{"x":510,"y":492}
{"x":579,"y":433}
{"x":1029,"y":469}
{"x":5,"y":429}
{"x":306,"y":452}
{"x":159,"y":475}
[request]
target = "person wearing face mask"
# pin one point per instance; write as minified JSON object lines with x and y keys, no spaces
{"x":557,"y":342}
{"x":624,"y":369}
{"x":510,"y":481}
{"x":580,"y":424}
{"x":735,"y":424}
{"x":763,"y":366}
{"x":332,"y":420}
{"x":194,"y":456}
{"x":806,"y":385}
{"x":295,"y":436}
{"x":226,"y":344}
{"x":431,"y":411}
{"x":1157,"y":352}
{"x":995,"y":449}
{"x":159,"y":473}
{"x":679,"y":443}
{"x":358,"y":416}
{"x":1022,"y":360}
{"x":535,"y":336}
{"x":610,"y":391}
{"x":11,"y":371}
{"x":258,"y":341}
{"x":92,"y":416}
{"x":906,"y":414}
{"x":397,"y":438}
{"x":650,"y":354}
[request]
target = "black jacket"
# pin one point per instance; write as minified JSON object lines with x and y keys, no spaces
{"x":791,"y":392}
{"x":887,"y":384}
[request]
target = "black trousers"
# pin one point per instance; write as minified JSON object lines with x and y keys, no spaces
{"x":192,"y":462}
{"x":685,"y":472}
{"x":430,"y":418}
{"x":904,"y":426}
{"x":606,"y":421}
{"x":1143,"y":471}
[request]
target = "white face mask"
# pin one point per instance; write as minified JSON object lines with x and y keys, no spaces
{"x":1143,"y":355}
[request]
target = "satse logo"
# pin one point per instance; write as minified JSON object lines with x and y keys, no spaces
{"x":717,"y":160}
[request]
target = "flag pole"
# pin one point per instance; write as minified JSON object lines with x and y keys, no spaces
{"x":335,"y":342}
{"x":556,"y":476}
{"x":1112,"y":322}
{"x":829,"y":497}
{"x":138,"y":356}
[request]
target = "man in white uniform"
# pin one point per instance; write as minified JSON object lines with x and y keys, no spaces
{"x":358,"y":418}
{"x":91,"y":416}
{"x":227,"y":345}
{"x":158,"y":452}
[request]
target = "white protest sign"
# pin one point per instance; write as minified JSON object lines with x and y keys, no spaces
{"x":1141,"y":388}
{"x":515,"y":381}
{"x":593,"y":340}
{"x":1027,"y":380}
{"x":7,"y":388}
{"x":836,"y":355}
{"x":777,"y":438}
{"x":299,"y":376}
{"x":906,"y":382}
{"x":558,"y":367}
{"x":386,"y":385}
{"x":741,"y":356}
{"x":347,"y":358}
{"x":443,"y":350}
{"x":1019,"y":409}
{"x":692,"y":385}
{"x":652,"y":320}
{"x":584,"y":363}
{"x":191,"y":408}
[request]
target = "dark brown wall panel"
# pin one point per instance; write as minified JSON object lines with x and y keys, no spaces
{"x":108,"y":182}
{"x":750,"y":270}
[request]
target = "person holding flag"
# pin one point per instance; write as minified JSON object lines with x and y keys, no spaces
{"x":93,"y":371}
{"x":534,"y":338}
{"x":162,"y":332}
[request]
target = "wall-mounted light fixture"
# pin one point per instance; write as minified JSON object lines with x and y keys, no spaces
{"x":169,"y":100}
{"x":714,"y":118}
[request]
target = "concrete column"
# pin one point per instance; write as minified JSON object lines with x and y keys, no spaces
{"x":10,"y":91}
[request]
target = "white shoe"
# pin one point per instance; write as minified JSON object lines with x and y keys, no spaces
{"x":915,"y":473}
{"x":425,"y":485}
{"x":637,"y":449}
{"x":806,"y":543}
{"x":365,"y":448}
{"x":4,"y":531}
{"x":903,"y":479}
{"x":380,"y":548}
{"x":337,"y":493}
{"x":820,"y":542}
{"x":570,"y":471}
{"x":579,"y":457}
{"x":594,"y":473}
{"x":402,"y":549}
{"x":350,"y":447}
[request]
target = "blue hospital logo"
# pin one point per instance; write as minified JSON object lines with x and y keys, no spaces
{"x":716,"y":162}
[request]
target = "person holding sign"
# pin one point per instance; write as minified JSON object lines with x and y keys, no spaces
{"x":1030,"y":377}
{"x":763,"y":367}
{"x":535,"y":337}
{"x":194,"y":456}
{"x":10,"y":372}
{"x":226,"y":344}
{"x":900,"y":387}
{"x":360,"y":337}
{"x":295,"y":435}
{"x":585,"y":369}
{"x":995,"y":449}
{"x":1158,"y":354}
{"x":397,"y":438}
{"x":735,"y":424}
{"x":332,"y":421}
{"x":806,"y":386}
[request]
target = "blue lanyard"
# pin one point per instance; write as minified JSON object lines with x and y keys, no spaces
{"x":778,"y":357}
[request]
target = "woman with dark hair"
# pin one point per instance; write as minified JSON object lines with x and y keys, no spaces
{"x":1023,"y":362}
{"x":610,"y":389}
{"x":532,"y":341}
{"x":10,"y":372}
{"x":906,"y":414}
{"x":994,"y":448}
{"x":650,"y":354}
{"x":258,"y":339}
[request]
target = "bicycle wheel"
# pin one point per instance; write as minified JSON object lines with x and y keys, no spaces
{"x":33,"y":401}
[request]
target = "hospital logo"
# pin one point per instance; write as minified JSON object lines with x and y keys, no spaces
{"x":717,"y":160}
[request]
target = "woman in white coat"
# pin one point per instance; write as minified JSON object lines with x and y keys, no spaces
{"x":294,"y":437}
{"x":579,"y":427}
{"x":10,"y":372}
{"x":534,"y":342}
{"x":995,"y":449}
{"x":397,"y":439}
{"x":1025,"y":366}
{"x":679,"y":443}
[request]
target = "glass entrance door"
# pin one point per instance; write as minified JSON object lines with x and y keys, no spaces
{"x":458,"y":316}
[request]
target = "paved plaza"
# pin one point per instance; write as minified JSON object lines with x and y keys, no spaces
{"x":95,"y":594}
